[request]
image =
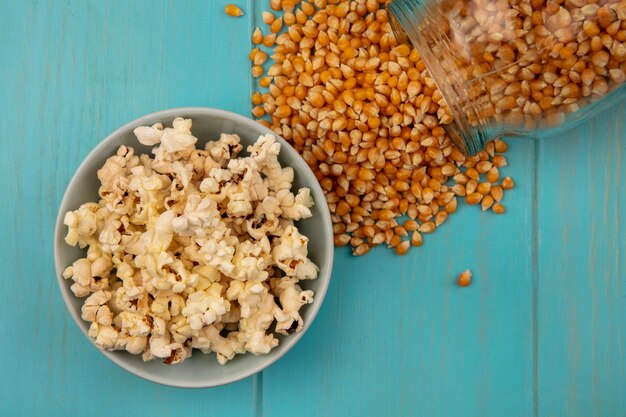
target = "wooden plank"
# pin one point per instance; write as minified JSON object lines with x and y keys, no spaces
{"x":582,"y":314}
{"x":396,"y":336}
{"x":71,"y":73}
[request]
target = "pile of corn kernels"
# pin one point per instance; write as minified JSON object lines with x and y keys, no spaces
{"x":367,"y":118}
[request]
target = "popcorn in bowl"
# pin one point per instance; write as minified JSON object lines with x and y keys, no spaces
{"x":193,"y":248}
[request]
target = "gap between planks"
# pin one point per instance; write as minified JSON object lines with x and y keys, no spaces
{"x":535,"y":280}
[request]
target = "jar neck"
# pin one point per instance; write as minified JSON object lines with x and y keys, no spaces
{"x":424,"y":25}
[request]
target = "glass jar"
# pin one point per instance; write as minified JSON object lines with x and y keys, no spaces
{"x":517,"y":67}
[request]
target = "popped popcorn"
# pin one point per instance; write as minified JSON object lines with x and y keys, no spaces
{"x":192,"y":248}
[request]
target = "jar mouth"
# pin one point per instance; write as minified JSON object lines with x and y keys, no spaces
{"x":404,"y":15}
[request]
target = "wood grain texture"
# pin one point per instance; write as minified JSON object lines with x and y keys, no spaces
{"x":396,"y":336}
{"x":582,"y":288}
{"x":539,"y":333}
{"x":71,"y":72}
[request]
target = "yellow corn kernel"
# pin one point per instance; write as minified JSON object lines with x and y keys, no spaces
{"x":257,"y":36}
{"x":498,"y":208}
{"x":465,"y":278}
{"x":265,"y":82}
{"x":232,"y":10}
{"x":507,"y":183}
{"x":257,"y":71}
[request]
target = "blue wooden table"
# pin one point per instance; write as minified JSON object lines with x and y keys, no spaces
{"x":540,"y":332}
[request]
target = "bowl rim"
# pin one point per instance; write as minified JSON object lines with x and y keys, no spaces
{"x":191,"y":112}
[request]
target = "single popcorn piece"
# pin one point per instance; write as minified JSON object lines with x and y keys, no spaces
{"x":182,"y":174}
{"x":253,"y":329}
{"x":209,"y":339}
{"x":223,"y":150}
{"x":123,"y":302}
{"x":136,"y":324}
{"x":295,"y":207}
{"x":84,"y":280}
{"x":158,"y":238}
{"x":149,"y":135}
{"x":134,"y":345}
{"x":239,"y":204}
{"x":82,"y":225}
{"x":110,"y":236}
{"x":160,"y":345}
{"x":266,"y":220}
{"x":192,"y":248}
{"x":252,"y":259}
{"x":265,"y":152}
{"x":179,"y":137}
{"x":218,"y":253}
{"x":199,"y":214}
{"x":248,"y":295}
{"x":96,"y":309}
{"x":111,"y":175}
{"x":205,"y":307}
{"x":292,"y":298}
{"x":167,"y":305}
{"x":290,"y":255}
{"x":180,"y":329}
{"x":106,"y":337}
{"x":281,"y":179}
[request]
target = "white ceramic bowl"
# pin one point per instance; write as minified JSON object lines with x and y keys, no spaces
{"x":200,"y":370}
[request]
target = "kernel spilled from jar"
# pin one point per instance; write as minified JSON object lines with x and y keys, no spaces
{"x":364,"y":114}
